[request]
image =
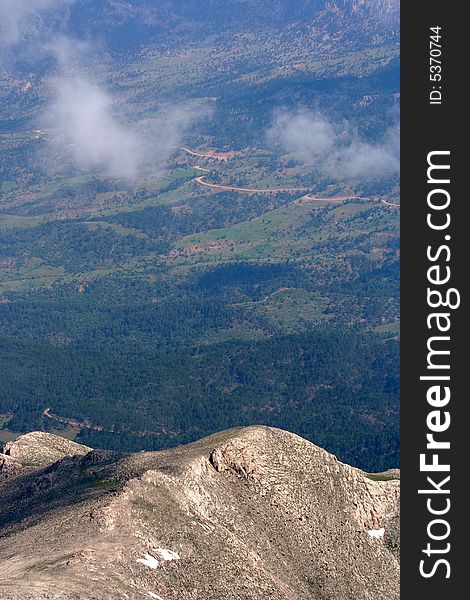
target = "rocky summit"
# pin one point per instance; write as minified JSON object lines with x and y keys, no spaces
{"x":250,"y":513}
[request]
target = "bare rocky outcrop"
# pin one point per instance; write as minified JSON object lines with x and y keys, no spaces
{"x":251,"y":513}
{"x":38,"y":449}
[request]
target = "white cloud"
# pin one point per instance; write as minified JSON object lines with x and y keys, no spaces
{"x":360,"y":159}
{"x":302,"y":133}
{"x":85,"y":128}
{"x":335,"y":149}
{"x":81,"y":116}
{"x":24,"y":19}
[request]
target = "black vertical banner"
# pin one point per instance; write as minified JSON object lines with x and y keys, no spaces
{"x":435,"y":258}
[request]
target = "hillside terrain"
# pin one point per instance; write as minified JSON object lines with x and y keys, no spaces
{"x":246,"y":514}
{"x":199,"y":222}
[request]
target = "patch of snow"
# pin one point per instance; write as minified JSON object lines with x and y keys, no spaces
{"x":376,"y":533}
{"x":162,"y":553}
{"x":166,"y":554}
{"x":148,"y":561}
{"x":154,"y":595}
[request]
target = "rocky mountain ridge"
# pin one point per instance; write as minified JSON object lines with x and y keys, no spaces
{"x":250,"y":513}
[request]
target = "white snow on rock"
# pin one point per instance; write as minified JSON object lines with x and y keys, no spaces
{"x":166,"y":554}
{"x":148,"y":561}
{"x":154,"y":595}
{"x":162,"y":553}
{"x":376,"y":533}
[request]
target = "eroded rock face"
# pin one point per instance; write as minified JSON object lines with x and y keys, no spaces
{"x":8,"y":467}
{"x":236,"y":458}
{"x":253,"y":513}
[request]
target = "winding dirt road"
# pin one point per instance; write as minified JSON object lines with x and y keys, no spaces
{"x":233,"y":188}
{"x":307,"y":197}
{"x":192,"y":153}
{"x":335,"y":198}
{"x":86,"y":425}
{"x":72,"y":422}
{"x":394,"y":204}
{"x":225,"y":156}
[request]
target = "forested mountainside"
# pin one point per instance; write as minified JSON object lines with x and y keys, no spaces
{"x":199,"y":221}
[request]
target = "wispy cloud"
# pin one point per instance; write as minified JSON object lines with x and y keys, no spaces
{"x":82,"y":120}
{"x":334,"y":148}
{"x":88,"y":131}
{"x":88,"y":126}
{"x":26,"y":19}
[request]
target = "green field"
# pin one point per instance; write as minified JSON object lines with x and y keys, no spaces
{"x":7,"y":186}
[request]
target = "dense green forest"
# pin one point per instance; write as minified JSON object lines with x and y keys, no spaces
{"x":337,"y":389}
